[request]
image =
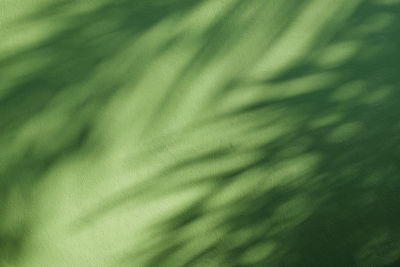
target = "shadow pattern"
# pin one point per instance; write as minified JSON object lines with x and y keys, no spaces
{"x":300,"y":162}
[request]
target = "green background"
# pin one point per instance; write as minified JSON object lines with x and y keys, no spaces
{"x":199,"y":133}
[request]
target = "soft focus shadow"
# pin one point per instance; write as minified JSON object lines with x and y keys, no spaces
{"x":343,"y":210}
{"x":55,"y":86}
{"x":299,"y":164}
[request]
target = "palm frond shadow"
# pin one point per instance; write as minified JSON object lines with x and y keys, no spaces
{"x":298,"y":168}
{"x":343,"y":210}
{"x":55,"y":88}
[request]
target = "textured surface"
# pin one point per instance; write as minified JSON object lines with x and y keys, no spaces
{"x":199,"y":133}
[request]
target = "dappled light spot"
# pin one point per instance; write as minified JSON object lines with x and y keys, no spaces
{"x":376,"y":23}
{"x":377,"y":95}
{"x":350,"y":91}
{"x":345,"y":132}
{"x":336,"y":55}
{"x":291,"y":213}
{"x":381,"y":250}
{"x":326,"y":120}
{"x":258,"y":253}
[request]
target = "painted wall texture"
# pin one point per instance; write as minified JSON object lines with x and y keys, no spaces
{"x":153,"y":133}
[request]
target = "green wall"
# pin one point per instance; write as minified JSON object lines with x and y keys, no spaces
{"x":207,"y":133}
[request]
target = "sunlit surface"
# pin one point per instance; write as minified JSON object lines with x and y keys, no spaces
{"x":152,"y":133}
